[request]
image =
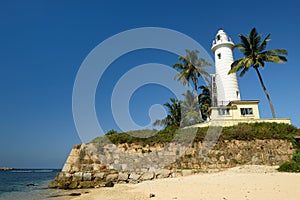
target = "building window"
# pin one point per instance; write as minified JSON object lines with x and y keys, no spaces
{"x":219,"y":55}
{"x":224,"y":111}
{"x":218,"y":37}
{"x":246,"y":111}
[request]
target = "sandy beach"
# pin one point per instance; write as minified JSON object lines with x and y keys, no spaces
{"x":245,"y":182}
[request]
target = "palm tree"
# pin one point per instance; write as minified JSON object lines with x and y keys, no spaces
{"x":204,"y":101}
{"x":173,"y":118}
{"x":255,"y":56}
{"x":191,"y":68}
{"x":190,"y":109}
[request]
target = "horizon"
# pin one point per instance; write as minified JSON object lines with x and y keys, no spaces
{"x":45,"y":43}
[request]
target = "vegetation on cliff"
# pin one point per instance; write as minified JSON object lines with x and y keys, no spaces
{"x":242,"y":131}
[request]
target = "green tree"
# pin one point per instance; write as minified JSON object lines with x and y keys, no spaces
{"x":190,"y":109}
{"x":204,"y":101}
{"x":191,"y":68}
{"x":255,"y":56}
{"x":173,"y":118}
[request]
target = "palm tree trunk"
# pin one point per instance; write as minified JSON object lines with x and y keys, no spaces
{"x":200,"y":114}
{"x":265,"y":90}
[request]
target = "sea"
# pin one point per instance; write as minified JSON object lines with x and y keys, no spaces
{"x":30,"y":184}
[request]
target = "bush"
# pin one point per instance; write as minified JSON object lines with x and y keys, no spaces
{"x":112,"y":131}
{"x":296,"y":157}
{"x":289,"y":167}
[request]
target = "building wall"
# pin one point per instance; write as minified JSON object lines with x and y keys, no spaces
{"x":232,"y":122}
{"x":236,"y":113}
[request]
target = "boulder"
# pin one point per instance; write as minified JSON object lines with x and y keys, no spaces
{"x":134,"y":176}
{"x":147,"y":176}
{"x":99,"y":176}
{"x":87,"y":176}
{"x":112,"y":177}
{"x":123,"y":176}
{"x":86,"y":184}
{"x":77,"y":176}
{"x":163,"y":173}
{"x":187,"y":172}
{"x":73,"y":185}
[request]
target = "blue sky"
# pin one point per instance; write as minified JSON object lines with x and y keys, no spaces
{"x":43,"y":44}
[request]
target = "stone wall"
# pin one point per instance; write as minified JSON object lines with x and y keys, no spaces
{"x":101,"y":166}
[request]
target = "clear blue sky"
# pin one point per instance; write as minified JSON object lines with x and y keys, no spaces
{"x":43,"y":44}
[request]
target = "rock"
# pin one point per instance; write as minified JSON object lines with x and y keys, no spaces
{"x":147,"y":176}
{"x":163,"y":173}
{"x":66,"y":168}
{"x":53,"y":184}
{"x":187,"y":172}
{"x":112,"y":177}
{"x":99,"y":176}
{"x":109,"y":184}
{"x":31,"y":184}
{"x":75,"y":194}
{"x":77,"y":176}
{"x":134,"y":176}
{"x":63,"y":184}
{"x":86,"y":184}
{"x":123,"y":176}
{"x":87,"y":176}
{"x":73,"y":185}
{"x":151,"y":195}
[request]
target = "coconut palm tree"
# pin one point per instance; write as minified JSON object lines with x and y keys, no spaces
{"x":173,"y":118}
{"x":204,"y":101}
{"x":255,"y":56}
{"x":190,"y":109}
{"x":191,"y":68}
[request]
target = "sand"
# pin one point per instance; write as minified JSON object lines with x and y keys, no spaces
{"x":239,"y":183}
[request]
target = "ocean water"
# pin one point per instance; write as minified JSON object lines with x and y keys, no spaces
{"x":29,"y":184}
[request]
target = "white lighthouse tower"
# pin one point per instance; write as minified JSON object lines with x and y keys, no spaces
{"x":226,"y":84}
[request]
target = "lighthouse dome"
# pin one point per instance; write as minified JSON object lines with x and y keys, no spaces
{"x":222,"y":38}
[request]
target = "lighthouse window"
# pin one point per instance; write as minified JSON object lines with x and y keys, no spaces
{"x":218,"y":37}
{"x":246,"y":111}
{"x":219,"y":55}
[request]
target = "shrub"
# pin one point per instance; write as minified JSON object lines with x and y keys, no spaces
{"x":296,"y":157}
{"x":289,"y":167}
{"x":112,"y":131}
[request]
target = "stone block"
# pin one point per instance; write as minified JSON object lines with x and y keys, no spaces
{"x":77,"y":176}
{"x":147,"y":176}
{"x":134,"y":176}
{"x":163,"y":173}
{"x":87,"y":176}
{"x":187,"y":172}
{"x":112,"y":177}
{"x":123,"y":176}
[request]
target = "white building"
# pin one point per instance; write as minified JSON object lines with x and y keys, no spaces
{"x":227,"y":107}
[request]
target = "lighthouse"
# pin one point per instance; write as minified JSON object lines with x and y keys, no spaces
{"x":226,"y":85}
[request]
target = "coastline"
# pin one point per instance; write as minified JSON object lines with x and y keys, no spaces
{"x":243,"y":182}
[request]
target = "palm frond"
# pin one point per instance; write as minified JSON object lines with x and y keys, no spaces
{"x":276,"y":59}
{"x":275,"y":52}
{"x":264,"y":43}
{"x":237,"y":65}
